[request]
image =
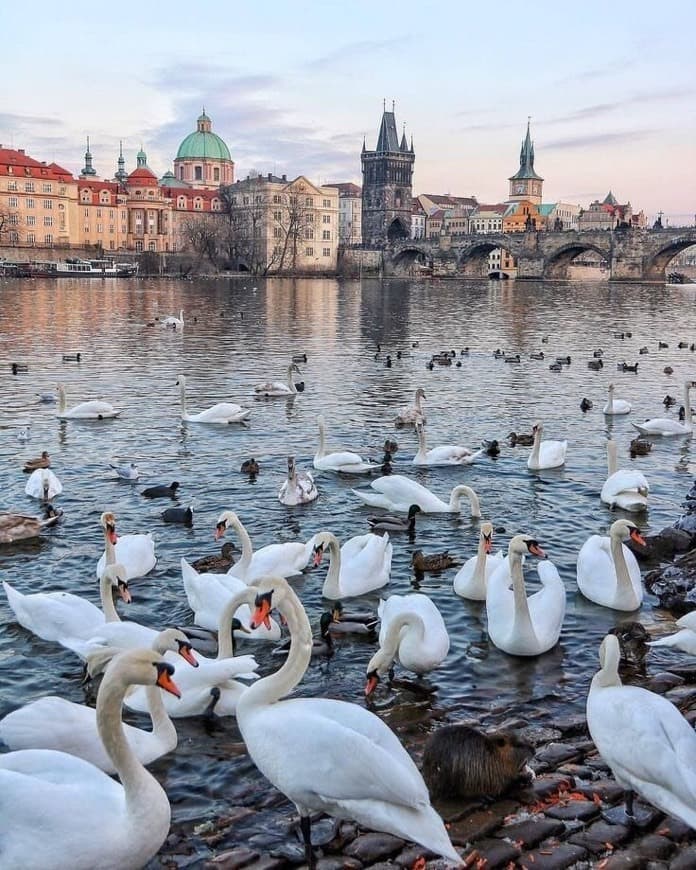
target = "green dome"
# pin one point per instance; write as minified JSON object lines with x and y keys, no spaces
{"x":203,"y":144}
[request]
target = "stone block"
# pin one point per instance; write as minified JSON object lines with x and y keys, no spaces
{"x":555,"y":857}
{"x":530,"y":833}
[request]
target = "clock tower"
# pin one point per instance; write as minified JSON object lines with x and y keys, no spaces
{"x":525,"y":184}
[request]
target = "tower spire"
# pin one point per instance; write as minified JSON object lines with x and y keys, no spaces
{"x":121,"y":173}
{"x":88,"y":170}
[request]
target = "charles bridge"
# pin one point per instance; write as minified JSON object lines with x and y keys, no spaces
{"x":630,"y":254}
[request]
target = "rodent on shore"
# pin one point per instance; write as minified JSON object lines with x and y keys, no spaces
{"x":461,"y":762}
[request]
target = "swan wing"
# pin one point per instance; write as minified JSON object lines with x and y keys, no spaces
{"x":662,"y":426}
{"x":92,"y":410}
{"x":365,"y":564}
{"x":547,"y":605}
{"x":621,"y":481}
{"x":684,"y":640}
{"x":135,"y":552}
{"x":54,"y":616}
{"x":281,"y":560}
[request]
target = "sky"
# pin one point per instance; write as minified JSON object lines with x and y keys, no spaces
{"x":293,"y":87}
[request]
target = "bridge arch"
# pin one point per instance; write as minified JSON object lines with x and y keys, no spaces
{"x":558,"y":262}
{"x":397,"y":231}
{"x":473,"y":261}
{"x":411,"y":257}
{"x":656,"y":266}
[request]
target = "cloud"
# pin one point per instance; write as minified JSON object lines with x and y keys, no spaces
{"x":347,"y":54}
{"x":598,"y":139}
{"x":14,"y":121}
{"x":640,"y":99}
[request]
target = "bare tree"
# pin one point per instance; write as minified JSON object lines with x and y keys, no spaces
{"x":296,"y":223}
{"x":245,"y":235}
{"x":8,"y":220}
{"x":202,"y":235}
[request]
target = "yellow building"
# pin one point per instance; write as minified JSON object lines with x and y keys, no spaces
{"x":523,"y":215}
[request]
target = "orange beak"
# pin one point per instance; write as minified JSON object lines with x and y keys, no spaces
{"x":164,"y":681}
{"x":536,"y":550}
{"x":371,"y":684}
{"x":220,"y":530}
{"x":186,"y":652}
{"x":318,"y":556}
{"x":261,"y":614}
{"x":124,"y":592}
{"x":487,"y":544}
{"x":636,"y":536}
{"x":111,"y":533}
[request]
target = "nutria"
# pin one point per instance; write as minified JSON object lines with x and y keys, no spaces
{"x":461,"y":762}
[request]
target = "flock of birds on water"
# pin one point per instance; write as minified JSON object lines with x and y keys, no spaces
{"x":324,"y":755}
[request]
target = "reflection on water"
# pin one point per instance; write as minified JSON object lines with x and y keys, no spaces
{"x":237,"y":335}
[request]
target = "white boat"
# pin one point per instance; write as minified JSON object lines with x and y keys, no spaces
{"x":73,"y":267}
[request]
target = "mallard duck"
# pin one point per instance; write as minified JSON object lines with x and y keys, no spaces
{"x":19,"y":527}
{"x":639,"y":447}
{"x":250,"y":466}
{"x":43,"y":461}
{"x":322,"y":646}
{"x":358,"y":622}
{"x":492,"y":448}
{"x":391,"y":523}
{"x":432,"y":562}
{"x":390,"y":446}
{"x":521,"y":438}
{"x":595,"y":364}
{"x":217,"y":563}
{"x":537,"y":355}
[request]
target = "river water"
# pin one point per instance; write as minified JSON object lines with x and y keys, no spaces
{"x":241,"y":332}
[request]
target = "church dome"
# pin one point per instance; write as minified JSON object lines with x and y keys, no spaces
{"x":203,"y":143}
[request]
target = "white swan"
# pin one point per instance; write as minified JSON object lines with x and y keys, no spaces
{"x":447,"y":454}
{"x":85,"y":818}
{"x":174,"y":322}
{"x":282,"y":560}
{"x":361,"y":565}
{"x":66,"y":618}
{"x":135,"y":552}
{"x":331,"y":756}
{"x":413,"y":632}
{"x":684,"y":639}
{"x":223,"y":412}
{"x":412,"y":414}
{"x":209,"y":594}
{"x":471,"y":579}
{"x":341,"y":460}
{"x":43,"y":484}
{"x":646,"y":741}
{"x":608,"y":572}
{"x":546,"y":454}
{"x":54,"y":723}
{"x":93,"y":410}
{"x":616,"y":406}
{"x":299,"y":488}
{"x":519,"y":625}
{"x":272,"y":389}
{"x":398,"y":493}
{"x":626,"y":489}
{"x":667,"y":426}
{"x":220,"y":673}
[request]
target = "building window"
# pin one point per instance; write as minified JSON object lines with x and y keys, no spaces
{"x":309,"y":201}
{"x":327,"y":203}
{"x":198,"y":173}
{"x":278,"y":216}
{"x":326,"y":235}
{"x":13,"y":202}
{"x":310,"y":218}
{"x":327,"y":252}
{"x":276,"y":198}
{"x":246,"y":200}
{"x":309,"y":233}
{"x":112,"y":245}
{"x":12,"y":185}
{"x":48,"y":239}
{"x":14,"y":237}
{"x":29,"y":187}
{"x":181,"y":202}
{"x":13,"y":220}
{"x":216,"y":173}
{"x":309,"y":252}
{"x":139,"y":246}
{"x":277,"y":233}
{"x":48,"y":221}
{"x":198,"y":203}
{"x":151,"y":194}
{"x":31,"y":239}
{"x":46,"y":188}
{"x":31,"y":220}
{"x":326,"y":218}
{"x":100,"y":229}
{"x":152,"y":246}
{"x":104,"y":197}
{"x":99,"y":212}
{"x":111,"y":229}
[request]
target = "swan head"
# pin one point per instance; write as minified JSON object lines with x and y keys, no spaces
{"x":609,"y":658}
{"x":181,"y":381}
{"x":143,"y":667}
{"x":320,"y":542}
{"x":420,"y":393}
{"x":538,"y":427}
{"x":520,"y":545}
{"x":291,"y":466}
{"x":610,"y":388}
{"x":117,"y":576}
{"x":108,"y":523}
{"x":463,"y":489}
{"x":270,"y":592}
{"x":174,"y":639}
{"x":224,"y":521}
{"x":294,"y":368}
{"x":321,"y":422}
{"x":625,"y":529}
{"x":487,"y":536}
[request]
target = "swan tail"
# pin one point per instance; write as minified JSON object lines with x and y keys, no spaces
{"x":372,"y":499}
{"x":642,"y":429}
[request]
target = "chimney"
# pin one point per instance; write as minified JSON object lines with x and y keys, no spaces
{"x":284,"y":178}
{"x":269,"y":176}
{"x":20,"y":150}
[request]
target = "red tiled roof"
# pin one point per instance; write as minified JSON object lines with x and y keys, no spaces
{"x":30,"y":168}
{"x":346,"y":188}
{"x":142,"y":175}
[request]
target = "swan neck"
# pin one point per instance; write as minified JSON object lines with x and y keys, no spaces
{"x":61,"y":400}
{"x":422,"y":446}
{"x":687,"y":407}
{"x":608,"y":675}
{"x":521,"y":614}
{"x":182,"y":391}
{"x":418,"y":404}
{"x":106,"y":594}
{"x":623,"y":578}
{"x":536,"y":447}
{"x":242,"y":566}
{"x":321,"y":451}
{"x":332,"y":585}
{"x":291,"y":385}
{"x":138,"y":784}
{"x":162,"y":726}
{"x":273,"y":687}
{"x":479,"y":575}
{"x":389,"y":647}
{"x":225,"y":640}
{"x":611,"y":457}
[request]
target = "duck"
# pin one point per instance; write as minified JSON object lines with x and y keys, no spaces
{"x":43,"y":484}
{"x":662,"y":344}
{"x":644,"y":350}
{"x":413,"y":413}
{"x":650,"y":747}
{"x":250,"y":467}
{"x":217,"y":563}
{"x":555,"y":367}
{"x":135,"y":552}
{"x":627,"y":367}
{"x":471,"y":579}
{"x":19,"y":527}
{"x":391,"y":523}
{"x":521,"y":438}
{"x":126,"y":472}
{"x":585,"y":405}
{"x":72,"y":357}
{"x":537,"y":355}
{"x":272,"y":389}
{"x":614,"y":406}
{"x":595,"y":364}
{"x":174,"y":322}
{"x":295,"y":741}
{"x":412,"y":632}
{"x":390,"y":446}
{"x":598,"y":353}
{"x":340,"y":461}
{"x":626,"y":489}
{"x":432,"y":562}
{"x":668,"y":401}
{"x":607,"y":571}
{"x":447,"y":454}
{"x":299,"y":488}
{"x":92,"y":410}
{"x":86,"y":818}
{"x":667,"y":426}
{"x":361,"y":623}
{"x":282,"y":560}
{"x":491,"y":448}
{"x":361,"y":565}
{"x":684,"y":639}
{"x":520,"y":625}
{"x":208,"y":595}
{"x":184,"y":516}
{"x":223,"y":412}
{"x":639,"y":447}
{"x":43,"y":461}
{"x":668,"y":370}
{"x":162,"y":490}
{"x":24,"y":433}
{"x":213,"y":685}
{"x":398,"y":493}
{"x":322,"y":646}
{"x":18,"y":368}
{"x":53,"y":723}
{"x":299,"y":357}
{"x":546,"y":454}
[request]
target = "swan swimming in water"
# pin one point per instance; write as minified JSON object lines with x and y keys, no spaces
{"x":471,"y":579}
{"x":343,"y":460}
{"x":626,"y":489}
{"x":298,"y":488}
{"x":174,"y":322}
{"x":92,"y":410}
{"x":135,"y":552}
{"x":43,"y":484}
{"x":398,"y":493}
{"x":412,"y":414}
{"x":616,"y":406}
{"x":273,"y":389}
{"x":447,"y":454}
{"x":331,"y":756}
{"x":608,"y":572}
{"x":667,"y":426}
{"x":546,"y":454}
{"x":361,"y":565}
{"x":223,"y":412}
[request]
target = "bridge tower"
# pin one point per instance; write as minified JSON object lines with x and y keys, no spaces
{"x":525,"y":184}
{"x":387,"y":185}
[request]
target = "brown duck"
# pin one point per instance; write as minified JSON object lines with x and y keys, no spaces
{"x":43,"y":461}
{"x":433,"y":562}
